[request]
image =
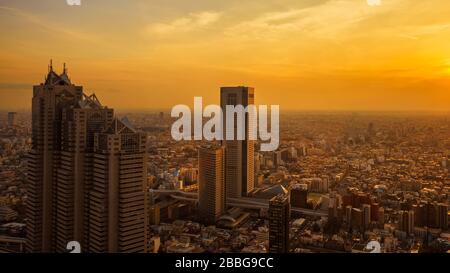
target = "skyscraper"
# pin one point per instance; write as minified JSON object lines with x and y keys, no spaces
{"x":443,"y":216}
{"x":381,"y":217}
{"x":299,"y":196}
{"x":239,"y":159}
{"x":410,"y":222}
{"x":279,"y":216}
{"x":211,"y":183}
{"x":357,"y":218}
{"x":374,"y":207}
{"x":79,"y":148}
{"x":406,"y":221}
{"x":49,"y":99}
{"x":418,"y":214}
{"x":366,"y":215}
{"x":432,"y":215}
{"x":118,"y":207}
{"x":73,"y":167}
{"x":348,"y":215}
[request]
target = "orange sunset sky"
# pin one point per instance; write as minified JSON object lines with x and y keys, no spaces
{"x":303,"y":55}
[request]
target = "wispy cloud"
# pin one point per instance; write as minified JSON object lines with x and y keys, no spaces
{"x":416,"y":32}
{"x":326,"y":20}
{"x":48,"y":26}
{"x":193,"y":21}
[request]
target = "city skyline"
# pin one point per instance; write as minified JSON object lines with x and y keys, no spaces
{"x":357,"y":159}
{"x":337,"y":183}
{"x":322,"y":55}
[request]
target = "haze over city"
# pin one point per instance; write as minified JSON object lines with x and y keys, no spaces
{"x":132,"y":127}
{"x":320,"y":55}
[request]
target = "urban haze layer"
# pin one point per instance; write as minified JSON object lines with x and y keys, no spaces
{"x":73,"y":169}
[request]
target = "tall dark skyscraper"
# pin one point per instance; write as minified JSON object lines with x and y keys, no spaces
{"x":443,"y":216}
{"x":211,"y":183}
{"x":432,"y":212}
{"x":406,"y":221}
{"x":117,"y":207}
{"x":279,"y":216}
{"x":49,"y":100}
{"x":71,"y":133}
{"x":239,"y":160}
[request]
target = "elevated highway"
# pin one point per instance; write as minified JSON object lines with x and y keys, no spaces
{"x":243,"y":202}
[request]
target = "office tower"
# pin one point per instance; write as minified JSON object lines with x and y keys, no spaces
{"x":49,"y":99}
{"x":340,"y":214}
{"x":299,"y":196}
{"x":432,"y":215}
{"x":348,"y":215}
{"x":12,"y":119}
{"x":333,"y":205}
{"x":423,"y":206}
{"x":154,"y":214}
{"x":357,"y":218}
{"x":419,"y":214}
{"x":72,"y":167}
{"x":239,"y":158}
{"x":381,"y":216}
{"x":410,"y":222}
{"x":402,"y":220}
{"x":277,"y":158}
{"x":117,"y":220}
{"x":279,"y":216}
{"x":211,"y":183}
{"x":356,"y":203}
{"x":406,"y":221}
{"x":443,"y":216}
{"x":366,"y":215}
{"x":374,"y":207}
{"x":66,"y":169}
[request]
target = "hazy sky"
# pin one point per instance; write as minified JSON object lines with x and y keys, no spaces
{"x":305,"y":55}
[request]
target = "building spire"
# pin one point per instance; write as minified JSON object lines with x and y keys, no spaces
{"x":64,"y":69}
{"x":50,"y":67}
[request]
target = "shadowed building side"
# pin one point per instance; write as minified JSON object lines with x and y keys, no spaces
{"x":279,"y":217}
{"x":211,"y":183}
{"x":117,"y":197}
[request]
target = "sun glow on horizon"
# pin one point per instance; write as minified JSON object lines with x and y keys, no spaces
{"x":303,"y":55}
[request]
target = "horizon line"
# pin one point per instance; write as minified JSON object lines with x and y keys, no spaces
{"x":168,"y":109}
